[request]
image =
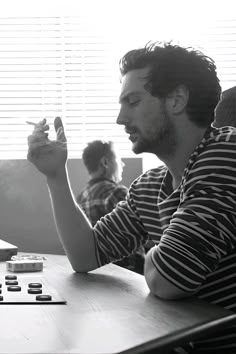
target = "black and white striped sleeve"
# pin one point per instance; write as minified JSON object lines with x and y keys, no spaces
{"x":203,"y":229}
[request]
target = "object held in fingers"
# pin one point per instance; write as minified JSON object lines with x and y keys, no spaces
{"x":37,"y":126}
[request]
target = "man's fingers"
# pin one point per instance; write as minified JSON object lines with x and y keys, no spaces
{"x":45,"y":128}
{"x":58,"y":125}
{"x":43,"y":121}
{"x":38,"y":139}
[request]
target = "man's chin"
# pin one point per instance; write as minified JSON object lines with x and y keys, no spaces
{"x":141,"y":147}
{"x":136,"y":148}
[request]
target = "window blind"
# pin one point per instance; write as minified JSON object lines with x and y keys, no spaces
{"x":64,"y":65}
{"x":52,"y":66}
{"x":218,"y":41}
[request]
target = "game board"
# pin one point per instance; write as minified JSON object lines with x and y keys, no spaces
{"x":15,"y":289}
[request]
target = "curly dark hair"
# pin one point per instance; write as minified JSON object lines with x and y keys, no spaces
{"x":170,"y":66}
{"x":93,"y":153}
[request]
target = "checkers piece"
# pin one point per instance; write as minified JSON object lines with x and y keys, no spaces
{"x":35,"y":285}
{"x":1,"y":298}
{"x":11,"y":282}
{"x":14,"y":288}
{"x":0,"y":285}
{"x":34,"y":291}
{"x":10,"y":277}
{"x":43,"y":297}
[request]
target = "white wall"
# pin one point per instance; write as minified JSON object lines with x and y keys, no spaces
{"x":150,"y":161}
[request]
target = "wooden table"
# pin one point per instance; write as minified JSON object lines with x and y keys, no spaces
{"x":109,"y":310}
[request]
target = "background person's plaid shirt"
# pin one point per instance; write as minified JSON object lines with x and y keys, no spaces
{"x":99,"y":197}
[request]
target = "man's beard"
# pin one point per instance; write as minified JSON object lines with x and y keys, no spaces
{"x":161,"y":141}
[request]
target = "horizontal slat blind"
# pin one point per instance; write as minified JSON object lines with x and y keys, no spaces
{"x":30,"y":78}
{"x":63,"y":66}
{"x":219,"y":42}
{"x":89,"y":87}
{"x":56,"y":66}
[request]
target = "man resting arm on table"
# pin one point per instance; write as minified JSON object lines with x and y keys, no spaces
{"x":164,"y":109}
{"x":186,"y":208}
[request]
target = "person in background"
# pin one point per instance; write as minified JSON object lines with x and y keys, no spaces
{"x":103,"y":190}
{"x":225,"y":113}
{"x":187,"y":207}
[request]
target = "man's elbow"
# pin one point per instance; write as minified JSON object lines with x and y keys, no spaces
{"x":160,"y":286}
{"x":83,"y":266}
{"x":169,"y":292}
{"x":81,"y":269}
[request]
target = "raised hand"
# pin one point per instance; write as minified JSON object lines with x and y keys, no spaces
{"x":48,"y":156}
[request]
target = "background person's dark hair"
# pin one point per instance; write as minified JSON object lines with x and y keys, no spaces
{"x":225,"y":113}
{"x":171,"y":66}
{"x":93,"y":153}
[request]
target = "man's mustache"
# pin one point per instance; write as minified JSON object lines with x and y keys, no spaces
{"x":130,"y":130}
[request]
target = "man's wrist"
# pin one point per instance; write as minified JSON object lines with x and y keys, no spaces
{"x":60,"y":176}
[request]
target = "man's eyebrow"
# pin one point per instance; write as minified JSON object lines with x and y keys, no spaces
{"x":128,"y":94}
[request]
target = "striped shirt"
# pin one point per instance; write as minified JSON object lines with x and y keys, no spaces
{"x":193,"y":227}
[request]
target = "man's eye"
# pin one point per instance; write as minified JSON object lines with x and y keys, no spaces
{"x":134,"y":102}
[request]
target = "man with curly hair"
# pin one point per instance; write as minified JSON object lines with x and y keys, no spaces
{"x":185,"y":209}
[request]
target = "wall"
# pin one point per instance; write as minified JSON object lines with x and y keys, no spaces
{"x":26,"y":218}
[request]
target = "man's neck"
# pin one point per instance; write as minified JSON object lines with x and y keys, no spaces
{"x":95,"y":175}
{"x":99,"y":175}
{"x":178,"y":161}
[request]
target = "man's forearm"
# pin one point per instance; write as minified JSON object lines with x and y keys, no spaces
{"x":74,"y":229}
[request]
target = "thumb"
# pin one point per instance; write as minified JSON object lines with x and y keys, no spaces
{"x":59,"y":128}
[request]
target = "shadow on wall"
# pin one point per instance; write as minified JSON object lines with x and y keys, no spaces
{"x":26,"y":218}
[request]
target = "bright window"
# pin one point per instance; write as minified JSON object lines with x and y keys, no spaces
{"x":65,"y":63}
{"x":53,"y":66}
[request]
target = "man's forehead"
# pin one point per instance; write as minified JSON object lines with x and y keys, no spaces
{"x":134,"y":81}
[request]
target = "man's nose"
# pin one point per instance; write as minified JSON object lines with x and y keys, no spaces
{"x":119,"y":119}
{"x":122,"y":117}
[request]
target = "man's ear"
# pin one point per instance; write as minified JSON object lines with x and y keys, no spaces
{"x":104,"y":162}
{"x":177,"y":100}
